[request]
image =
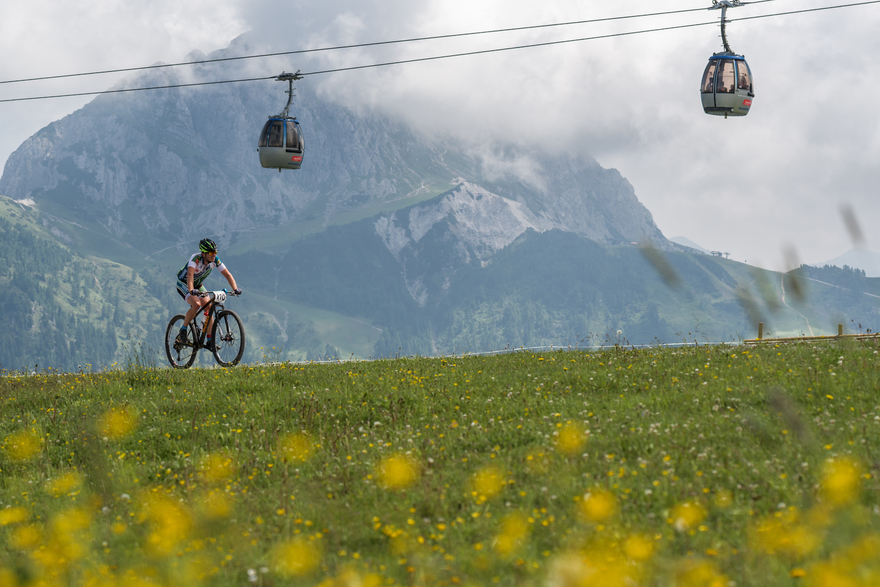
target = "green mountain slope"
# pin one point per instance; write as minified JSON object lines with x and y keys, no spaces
{"x":60,"y":309}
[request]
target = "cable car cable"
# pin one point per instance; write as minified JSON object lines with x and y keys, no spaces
{"x":434,"y":58}
{"x":168,"y":87}
{"x":498,"y":50}
{"x":370,"y":65}
{"x":802,"y":11}
{"x":361,"y":45}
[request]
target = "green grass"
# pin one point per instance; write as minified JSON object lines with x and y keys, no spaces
{"x":692,"y":466}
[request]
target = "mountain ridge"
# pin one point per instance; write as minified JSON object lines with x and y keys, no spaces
{"x":856,"y":258}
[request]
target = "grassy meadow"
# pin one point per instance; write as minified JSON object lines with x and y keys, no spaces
{"x":695,"y":466}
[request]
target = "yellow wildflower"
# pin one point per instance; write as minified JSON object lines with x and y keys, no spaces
{"x":598,"y":505}
{"x":169,"y":524}
{"x":697,"y":573}
{"x":217,"y":467}
{"x":13,"y":516}
{"x":687,"y":515}
{"x":117,"y":423}
{"x":639,"y":547}
{"x":571,"y":439}
{"x":488,"y":482}
{"x":397,"y":472}
{"x":26,"y":537}
{"x":64,"y":484}
{"x":296,"y":557}
{"x":841,"y":483}
{"x":22,"y":446}
{"x":514,"y":530}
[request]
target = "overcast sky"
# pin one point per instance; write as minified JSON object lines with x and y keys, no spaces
{"x":755,"y":187}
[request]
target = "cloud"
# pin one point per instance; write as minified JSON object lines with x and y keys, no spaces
{"x":51,"y":37}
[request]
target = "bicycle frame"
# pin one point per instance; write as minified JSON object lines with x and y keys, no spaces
{"x":212,"y":310}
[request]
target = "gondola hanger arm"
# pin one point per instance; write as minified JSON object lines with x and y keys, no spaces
{"x":724,"y":5}
{"x":289,"y":78}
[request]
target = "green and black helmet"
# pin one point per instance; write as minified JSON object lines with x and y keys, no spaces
{"x":206,"y":245}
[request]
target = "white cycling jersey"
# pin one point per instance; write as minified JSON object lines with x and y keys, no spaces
{"x":202,"y":268}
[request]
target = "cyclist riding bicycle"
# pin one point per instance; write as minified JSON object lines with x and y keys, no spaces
{"x":189,"y":284}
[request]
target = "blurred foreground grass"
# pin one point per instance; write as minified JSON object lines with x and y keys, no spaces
{"x":699,"y":466}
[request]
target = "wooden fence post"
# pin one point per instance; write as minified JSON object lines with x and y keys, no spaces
{"x":760,"y":330}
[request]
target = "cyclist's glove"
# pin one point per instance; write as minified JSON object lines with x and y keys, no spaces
{"x":237,"y":291}
{"x":194,"y":292}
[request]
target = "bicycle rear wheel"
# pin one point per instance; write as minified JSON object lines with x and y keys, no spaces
{"x":180,"y":355}
{"x":228,"y":337}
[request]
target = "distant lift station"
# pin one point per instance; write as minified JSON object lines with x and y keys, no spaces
{"x":727,"y":88}
{"x":281,"y":141}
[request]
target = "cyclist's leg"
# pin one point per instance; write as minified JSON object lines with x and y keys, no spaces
{"x":195,"y":302}
{"x":209,"y":321}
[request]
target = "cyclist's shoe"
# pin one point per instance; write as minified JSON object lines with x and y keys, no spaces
{"x":209,"y":345}
{"x":181,"y":338}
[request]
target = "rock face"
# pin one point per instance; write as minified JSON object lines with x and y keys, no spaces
{"x":162,"y":168}
{"x":482,"y":221}
{"x":470,"y":224}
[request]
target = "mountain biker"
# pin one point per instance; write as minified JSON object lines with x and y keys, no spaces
{"x":189,"y":285}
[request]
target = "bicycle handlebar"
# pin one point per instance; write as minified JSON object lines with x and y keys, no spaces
{"x":226,"y":291}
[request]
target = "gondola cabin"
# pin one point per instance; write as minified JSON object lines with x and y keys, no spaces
{"x":281,"y":141}
{"x":727,"y":88}
{"x":281,"y":144}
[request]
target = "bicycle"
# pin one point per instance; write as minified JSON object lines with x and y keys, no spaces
{"x":227,"y":334}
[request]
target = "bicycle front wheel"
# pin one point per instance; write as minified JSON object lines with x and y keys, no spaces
{"x":181,"y":354}
{"x":228,"y":337}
